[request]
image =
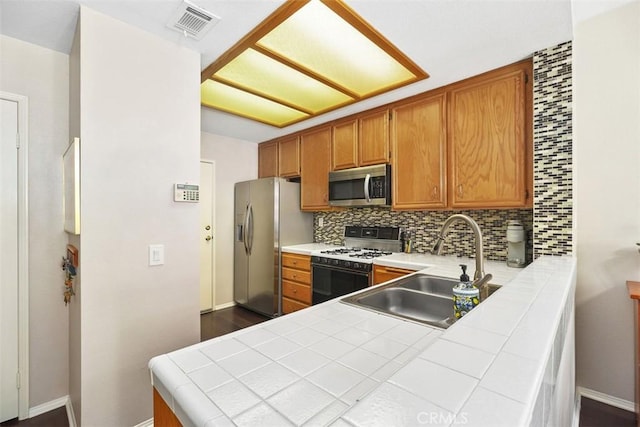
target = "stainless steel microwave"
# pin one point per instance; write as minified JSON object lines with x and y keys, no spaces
{"x":365,"y":186}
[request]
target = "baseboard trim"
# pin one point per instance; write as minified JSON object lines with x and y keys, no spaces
{"x":146,"y":423}
{"x":577,"y":405}
{"x":606,"y":398}
{"x":227,"y":305}
{"x":48,"y":406}
{"x":71,"y":415}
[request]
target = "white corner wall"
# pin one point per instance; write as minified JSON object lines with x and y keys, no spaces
{"x":236,"y":161}
{"x":42,"y":75}
{"x":140,"y":134}
{"x":606,"y":76}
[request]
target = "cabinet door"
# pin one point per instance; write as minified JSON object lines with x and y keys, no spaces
{"x":344,"y":145}
{"x":487,"y":142}
{"x":418,"y":150}
{"x":373,"y":138}
{"x":315,"y":159}
{"x":289,"y":157}
{"x":268,"y":159}
{"x":383,"y":274}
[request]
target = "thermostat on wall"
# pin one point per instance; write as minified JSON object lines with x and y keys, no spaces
{"x":186,"y":193}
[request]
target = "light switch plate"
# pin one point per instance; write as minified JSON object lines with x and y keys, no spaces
{"x":156,"y":255}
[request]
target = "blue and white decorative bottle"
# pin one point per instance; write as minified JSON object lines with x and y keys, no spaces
{"x":465,"y":295}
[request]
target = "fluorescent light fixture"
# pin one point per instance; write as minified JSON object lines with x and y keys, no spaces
{"x":307,"y":58}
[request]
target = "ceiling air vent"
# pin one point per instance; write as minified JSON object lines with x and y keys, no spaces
{"x":192,"y":21}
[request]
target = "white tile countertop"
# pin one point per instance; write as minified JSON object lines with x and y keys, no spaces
{"x":335,"y":364}
{"x":308,"y":248}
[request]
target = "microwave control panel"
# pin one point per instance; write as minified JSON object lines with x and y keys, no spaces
{"x":186,"y":193}
{"x":377,"y":187}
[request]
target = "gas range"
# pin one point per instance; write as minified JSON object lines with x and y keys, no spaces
{"x":363,"y":245}
{"x":342,"y":270}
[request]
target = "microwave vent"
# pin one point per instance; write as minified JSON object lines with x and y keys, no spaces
{"x":193,"y":21}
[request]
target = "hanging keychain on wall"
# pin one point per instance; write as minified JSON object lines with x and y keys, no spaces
{"x":69,"y":265}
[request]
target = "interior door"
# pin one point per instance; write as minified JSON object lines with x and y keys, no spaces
{"x":207,"y":236}
{"x":8,"y":260}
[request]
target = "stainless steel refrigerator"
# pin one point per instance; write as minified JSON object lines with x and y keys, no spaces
{"x":267,"y":217}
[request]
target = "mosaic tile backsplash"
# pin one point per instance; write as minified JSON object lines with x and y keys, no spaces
{"x":426,"y":225}
{"x":552,"y":145}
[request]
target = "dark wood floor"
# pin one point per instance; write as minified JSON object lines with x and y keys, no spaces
{"x":55,"y":418}
{"x":598,"y":414}
{"x":220,"y":322}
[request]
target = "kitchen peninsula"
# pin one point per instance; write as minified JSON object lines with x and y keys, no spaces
{"x":508,"y":362}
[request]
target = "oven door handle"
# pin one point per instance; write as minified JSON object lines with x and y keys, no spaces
{"x":367,"y":181}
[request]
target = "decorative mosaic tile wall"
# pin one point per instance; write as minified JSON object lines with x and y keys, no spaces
{"x":552,"y":139}
{"x":548,"y":225}
{"x":425,"y":226}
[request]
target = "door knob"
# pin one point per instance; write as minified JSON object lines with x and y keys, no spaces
{"x":208,"y":238}
{"x":208,"y":227}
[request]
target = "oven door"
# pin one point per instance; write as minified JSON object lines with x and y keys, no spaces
{"x":332,"y":282}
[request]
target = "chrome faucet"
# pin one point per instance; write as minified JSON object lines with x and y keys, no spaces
{"x":437,"y":248}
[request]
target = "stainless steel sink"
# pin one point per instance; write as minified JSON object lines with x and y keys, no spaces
{"x":433,"y":309}
{"x":420,"y":297}
{"x":431,"y":284}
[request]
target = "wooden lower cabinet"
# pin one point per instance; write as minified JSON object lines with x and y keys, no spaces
{"x":163,"y":416}
{"x":382,"y":274}
{"x":296,"y":282}
{"x":634,"y":293}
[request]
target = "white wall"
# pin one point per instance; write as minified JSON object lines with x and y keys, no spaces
{"x":42,"y":75}
{"x":606,"y":73}
{"x":236,"y":161}
{"x":139,"y":121}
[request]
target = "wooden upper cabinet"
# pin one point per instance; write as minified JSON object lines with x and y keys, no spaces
{"x":268,"y":159}
{"x":418,"y":154}
{"x":488,"y":132}
{"x":289,"y":157}
{"x":373,"y":138}
{"x":363,"y":141}
{"x":315,"y":162}
{"x":344,"y":145}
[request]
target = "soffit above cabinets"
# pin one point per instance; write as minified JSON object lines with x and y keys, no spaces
{"x":305,"y":59}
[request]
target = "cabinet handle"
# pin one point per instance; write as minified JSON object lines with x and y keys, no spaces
{"x":435,"y":191}
{"x":295,"y":262}
{"x":460,"y":191}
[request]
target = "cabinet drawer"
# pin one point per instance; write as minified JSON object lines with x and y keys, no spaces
{"x":301,"y":262}
{"x":289,"y":305}
{"x":296,"y":291}
{"x":383,"y":274}
{"x":296,"y":275}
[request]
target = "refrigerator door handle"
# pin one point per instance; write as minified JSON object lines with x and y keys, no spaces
{"x":367,"y":180}
{"x":250,"y":227}
{"x":245,"y":227}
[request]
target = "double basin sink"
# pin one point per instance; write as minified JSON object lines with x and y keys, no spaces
{"x":419,"y":297}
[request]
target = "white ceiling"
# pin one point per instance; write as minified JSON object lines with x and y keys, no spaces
{"x":449,"y":39}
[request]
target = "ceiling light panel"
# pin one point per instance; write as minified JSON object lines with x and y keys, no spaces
{"x":307,"y":58}
{"x":235,"y":101}
{"x":262,"y":75}
{"x":321,"y":41}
